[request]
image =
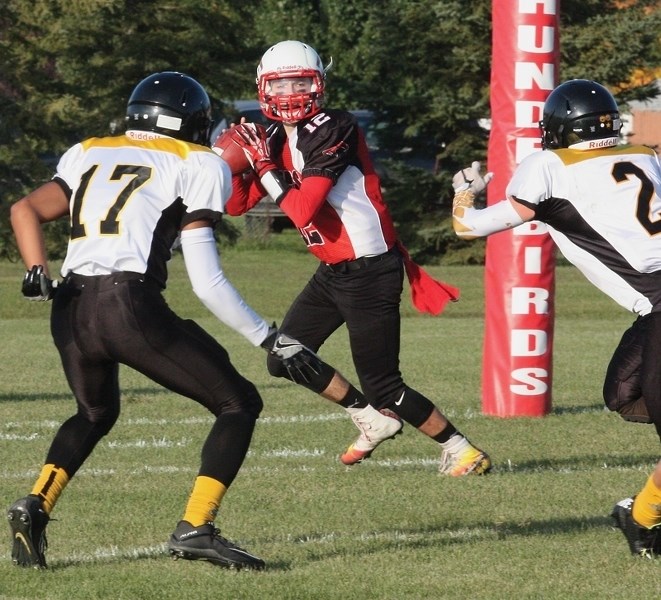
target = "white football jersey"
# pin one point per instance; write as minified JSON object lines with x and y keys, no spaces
{"x":603,"y":208}
{"x":130,"y":196}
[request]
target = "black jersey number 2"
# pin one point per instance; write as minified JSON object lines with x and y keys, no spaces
{"x":624,"y":171}
{"x":138,"y":176}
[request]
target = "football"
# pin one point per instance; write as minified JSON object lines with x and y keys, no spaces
{"x":231,"y":153}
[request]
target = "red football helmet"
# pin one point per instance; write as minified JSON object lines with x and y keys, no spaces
{"x":291,"y":60}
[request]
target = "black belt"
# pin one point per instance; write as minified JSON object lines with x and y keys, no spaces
{"x":360,"y":263}
{"x":101,"y":282}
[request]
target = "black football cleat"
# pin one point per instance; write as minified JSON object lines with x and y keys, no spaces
{"x":27,"y":521}
{"x":642,"y":541}
{"x":206,"y":543}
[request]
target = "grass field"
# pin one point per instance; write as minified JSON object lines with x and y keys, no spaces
{"x":392,"y":528}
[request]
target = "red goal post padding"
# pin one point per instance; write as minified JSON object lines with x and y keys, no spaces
{"x":519,"y":275}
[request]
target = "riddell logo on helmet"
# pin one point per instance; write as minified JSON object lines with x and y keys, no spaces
{"x":142,"y":135}
{"x":602,"y":143}
{"x":287,"y":68}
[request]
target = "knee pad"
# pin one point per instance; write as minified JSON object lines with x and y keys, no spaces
{"x":412,"y":406}
{"x":319,"y":381}
{"x":249,"y":400}
{"x":102,"y":420}
{"x":254,"y":401}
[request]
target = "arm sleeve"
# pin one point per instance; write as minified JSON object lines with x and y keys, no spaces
{"x":214,"y":290}
{"x":470,"y":223}
{"x":302,"y":204}
{"x":246,"y":192}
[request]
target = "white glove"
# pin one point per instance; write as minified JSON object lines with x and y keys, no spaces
{"x":471,"y":179}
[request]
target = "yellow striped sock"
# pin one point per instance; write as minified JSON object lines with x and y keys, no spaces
{"x":50,"y":485}
{"x":646,"y":509}
{"x":204,"y":501}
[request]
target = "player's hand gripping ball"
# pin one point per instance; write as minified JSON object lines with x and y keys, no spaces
{"x":231,"y":152}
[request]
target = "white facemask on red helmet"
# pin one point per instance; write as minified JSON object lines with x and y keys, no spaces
{"x":288,"y":60}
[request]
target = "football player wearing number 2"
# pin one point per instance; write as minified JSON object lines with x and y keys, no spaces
{"x":602,"y":203}
{"x":129,"y":198}
{"x":314,"y":163}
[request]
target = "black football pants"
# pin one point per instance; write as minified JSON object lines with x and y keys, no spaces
{"x":366,"y":296}
{"x":98,"y":323}
{"x":634,"y":371}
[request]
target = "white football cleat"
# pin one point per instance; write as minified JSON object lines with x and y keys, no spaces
{"x":466,"y":460}
{"x":375,"y":426}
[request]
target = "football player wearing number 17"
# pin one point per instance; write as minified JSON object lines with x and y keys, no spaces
{"x":315,"y":164}
{"x":129,"y":198}
{"x":602,"y":203}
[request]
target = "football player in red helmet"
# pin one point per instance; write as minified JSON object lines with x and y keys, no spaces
{"x":314,"y":163}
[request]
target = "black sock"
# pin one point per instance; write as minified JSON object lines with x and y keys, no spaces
{"x":446,"y":434}
{"x":353,"y":399}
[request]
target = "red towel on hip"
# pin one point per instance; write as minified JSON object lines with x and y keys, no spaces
{"x":428,"y":294}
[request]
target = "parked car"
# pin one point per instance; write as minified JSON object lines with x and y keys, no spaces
{"x":233,"y":111}
{"x":387,"y":141}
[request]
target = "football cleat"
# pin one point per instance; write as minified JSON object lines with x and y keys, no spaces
{"x":469,"y":461}
{"x":642,"y":541}
{"x":206,"y":543}
{"x":27,"y":521}
{"x":375,"y":427}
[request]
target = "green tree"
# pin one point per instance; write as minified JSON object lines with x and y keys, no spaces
{"x":423,"y":67}
{"x":67,"y":68}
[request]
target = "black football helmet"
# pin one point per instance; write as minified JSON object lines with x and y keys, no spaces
{"x":172,"y":104}
{"x":579,"y":111}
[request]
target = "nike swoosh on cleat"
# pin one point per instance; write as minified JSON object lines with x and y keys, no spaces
{"x":21,"y":538}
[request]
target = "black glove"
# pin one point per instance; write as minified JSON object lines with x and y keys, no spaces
{"x":37,"y":286}
{"x":301,"y":363}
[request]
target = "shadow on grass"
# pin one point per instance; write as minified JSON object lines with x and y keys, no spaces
{"x":579,"y":410}
{"x":325,"y":546}
{"x":126,"y":393}
{"x":582,"y":463}
{"x":319,"y":545}
{"x":33,"y":397}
